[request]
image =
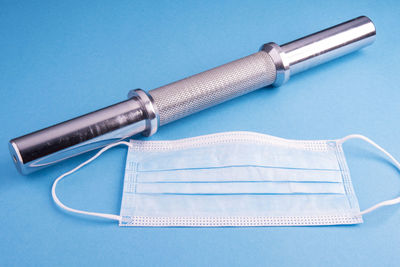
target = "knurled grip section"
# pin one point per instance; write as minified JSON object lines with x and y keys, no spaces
{"x":190,"y":95}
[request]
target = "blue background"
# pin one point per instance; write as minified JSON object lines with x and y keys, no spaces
{"x":61,"y":59}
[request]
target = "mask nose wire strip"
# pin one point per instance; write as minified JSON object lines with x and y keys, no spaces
{"x":61,"y":205}
{"x":389,"y":202}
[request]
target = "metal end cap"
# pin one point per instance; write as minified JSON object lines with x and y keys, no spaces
{"x":16,"y":157}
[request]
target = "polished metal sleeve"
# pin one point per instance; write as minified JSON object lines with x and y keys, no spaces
{"x":182,"y":98}
{"x":45,"y":147}
{"x":320,"y":47}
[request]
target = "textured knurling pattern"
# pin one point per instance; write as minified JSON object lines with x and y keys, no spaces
{"x":190,"y":95}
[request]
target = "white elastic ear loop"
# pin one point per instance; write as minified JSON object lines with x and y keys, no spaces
{"x":61,"y":205}
{"x":395,"y":162}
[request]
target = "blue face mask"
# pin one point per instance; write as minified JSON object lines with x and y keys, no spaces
{"x":236,"y":179}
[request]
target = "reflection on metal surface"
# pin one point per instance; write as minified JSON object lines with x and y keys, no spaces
{"x":320,"y":47}
{"x":94,"y":130}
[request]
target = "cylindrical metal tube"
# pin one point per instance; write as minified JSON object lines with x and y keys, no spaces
{"x":144,"y":112}
{"x":328,"y":44}
{"x":42,"y":148}
{"x":320,"y":47}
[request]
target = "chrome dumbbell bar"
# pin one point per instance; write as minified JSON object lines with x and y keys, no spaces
{"x":144,"y":112}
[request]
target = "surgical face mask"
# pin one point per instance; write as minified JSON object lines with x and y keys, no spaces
{"x":236,"y":179}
